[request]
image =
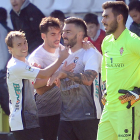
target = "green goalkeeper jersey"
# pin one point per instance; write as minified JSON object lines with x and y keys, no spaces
{"x":120,"y":66}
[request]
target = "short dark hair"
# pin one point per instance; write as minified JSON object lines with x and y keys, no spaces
{"x":49,"y":22}
{"x":3,"y":14}
{"x":118,"y":7}
{"x":134,"y":5}
{"x":58,"y":14}
{"x":91,"y":18}
{"x":11,"y":35}
{"x":77,"y":22}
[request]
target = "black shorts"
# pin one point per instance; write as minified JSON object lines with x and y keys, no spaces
{"x":28,"y":134}
{"x":78,"y":130}
{"x":49,"y":126}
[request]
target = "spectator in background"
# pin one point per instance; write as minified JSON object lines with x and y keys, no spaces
{"x":4,"y":57}
{"x":95,"y":34}
{"x":61,"y":16}
{"x":26,"y":17}
{"x":134,"y":12}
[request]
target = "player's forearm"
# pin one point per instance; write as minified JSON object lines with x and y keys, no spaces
{"x":44,"y":89}
{"x":85,"y":78}
{"x":40,"y":83}
{"x":48,"y":71}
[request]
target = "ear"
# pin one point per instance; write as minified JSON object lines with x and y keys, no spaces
{"x":10,"y":49}
{"x":80,"y":34}
{"x":43,"y":36}
{"x":119,"y":18}
{"x":98,"y":26}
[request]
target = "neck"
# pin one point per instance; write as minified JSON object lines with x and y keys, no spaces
{"x":20,"y":58}
{"x":48,"y":48}
{"x":77,"y":47}
{"x":119,"y":31}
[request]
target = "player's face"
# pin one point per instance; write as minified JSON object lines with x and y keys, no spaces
{"x":16,"y":4}
{"x":20,"y":48}
{"x":52,"y":37}
{"x":109,"y":21}
{"x":135,"y":15}
{"x":69,"y":35}
{"x":92,"y":29}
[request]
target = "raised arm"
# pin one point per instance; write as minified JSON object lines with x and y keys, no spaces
{"x":48,"y":71}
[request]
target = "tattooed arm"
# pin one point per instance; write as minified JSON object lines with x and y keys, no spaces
{"x":85,"y":78}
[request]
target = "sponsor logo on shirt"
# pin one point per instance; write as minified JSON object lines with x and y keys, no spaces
{"x":121,"y":50}
{"x":76,"y":59}
{"x":18,"y":92}
{"x":96,"y":87}
{"x":124,"y":135}
{"x":116,"y":65}
{"x":29,"y":68}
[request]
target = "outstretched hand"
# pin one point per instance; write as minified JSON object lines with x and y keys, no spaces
{"x":130,"y":96}
{"x":69,"y":67}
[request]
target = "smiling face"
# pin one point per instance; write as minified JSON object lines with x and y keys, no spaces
{"x":135,"y":15}
{"x":92,"y":29}
{"x":16,"y":4}
{"x":20,"y":48}
{"x":109,"y":21}
{"x":69,"y":35}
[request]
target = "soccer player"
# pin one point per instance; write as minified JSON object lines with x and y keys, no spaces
{"x":79,"y":113}
{"x":61,"y":16}
{"x":48,"y":104}
{"x":121,"y":71}
{"x":23,"y":113}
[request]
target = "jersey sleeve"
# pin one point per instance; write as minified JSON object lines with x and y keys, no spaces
{"x":134,"y":44}
{"x":24,"y":71}
{"x":103,"y":69}
{"x":92,"y":60}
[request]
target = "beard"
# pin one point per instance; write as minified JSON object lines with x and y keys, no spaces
{"x":113,"y":27}
{"x":71,"y":42}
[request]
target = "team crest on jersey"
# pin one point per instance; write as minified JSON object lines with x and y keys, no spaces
{"x":76,"y":59}
{"x":121,"y":50}
{"x":29,"y":68}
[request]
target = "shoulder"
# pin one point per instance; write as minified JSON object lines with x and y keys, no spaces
{"x":132,"y":36}
{"x":92,"y":53}
{"x":31,"y":8}
{"x":16,"y":65}
{"x":37,"y":52}
{"x":12,"y":12}
{"x":107,"y":38}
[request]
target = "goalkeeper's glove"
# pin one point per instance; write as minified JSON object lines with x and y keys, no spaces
{"x":130,"y":96}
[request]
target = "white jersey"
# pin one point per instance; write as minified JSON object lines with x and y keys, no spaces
{"x":77,"y":99}
{"x":23,"y":111}
{"x":49,"y":103}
